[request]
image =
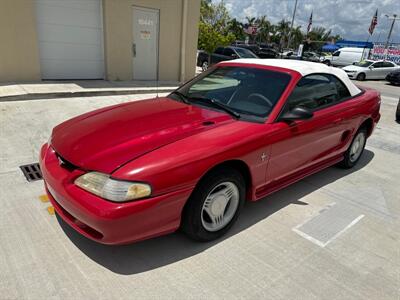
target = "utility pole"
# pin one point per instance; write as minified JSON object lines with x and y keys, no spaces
{"x":291,"y":25}
{"x":394,"y":18}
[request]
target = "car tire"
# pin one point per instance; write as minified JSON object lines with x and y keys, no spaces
{"x":355,"y":150}
{"x":204,"y":65}
{"x":327,"y":62}
{"x":221,"y":191}
{"x":361,"y":77}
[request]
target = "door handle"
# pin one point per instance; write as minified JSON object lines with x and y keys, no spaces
{"x":133,"y":49}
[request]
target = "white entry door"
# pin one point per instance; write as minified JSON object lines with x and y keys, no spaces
{"x":145,"y":43}
{"x":70,"y":35}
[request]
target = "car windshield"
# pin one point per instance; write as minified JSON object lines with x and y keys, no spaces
{"x":363,"y":64}
{"x":244,"y":53}
{"x":250,"y":92}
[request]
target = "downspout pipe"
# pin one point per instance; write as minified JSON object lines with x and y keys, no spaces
{"x":183,"y":41}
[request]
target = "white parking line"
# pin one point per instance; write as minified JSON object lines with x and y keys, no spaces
{"x":317,"y":241}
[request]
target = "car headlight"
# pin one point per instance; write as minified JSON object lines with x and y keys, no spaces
{"x":115,"y":190}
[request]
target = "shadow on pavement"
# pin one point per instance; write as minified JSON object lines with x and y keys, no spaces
{"x":154,"y":253}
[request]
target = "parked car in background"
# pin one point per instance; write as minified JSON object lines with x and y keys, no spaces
{"x":393,"y":77}
{"x":267,"y":52}
{"x":369,"y":69}
{"x":398,"y":112}
{"x":222,"y":54}
{"x":286,"y":53}
{"x":346,"y":56}
{"x":116,"y":179}
{"x":261,"y":52}
{"x":311,"y":56}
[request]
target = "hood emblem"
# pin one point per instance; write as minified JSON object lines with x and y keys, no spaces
{"x":60,"y":161}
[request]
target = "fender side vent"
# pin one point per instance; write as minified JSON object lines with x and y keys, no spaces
{"x":32,"y":172}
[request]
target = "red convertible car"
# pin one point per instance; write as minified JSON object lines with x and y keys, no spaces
{"x":239,"y":131}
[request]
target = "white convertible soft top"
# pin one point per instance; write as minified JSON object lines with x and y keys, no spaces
{"x":302,"y":67}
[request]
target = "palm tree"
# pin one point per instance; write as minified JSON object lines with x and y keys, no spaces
{"x":236,"y":28}
{"x":319,"y":34}
{"x":282,"y":31}
{"x":296,"y":37}
{"x":264,"y":29}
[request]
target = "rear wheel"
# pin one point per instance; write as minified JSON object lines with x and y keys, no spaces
{"x":354,"y":152}
{"x":361,"y":77}
{"x":204,"y":65}
{"x":327,"y":62}
{"x":214,"y":205}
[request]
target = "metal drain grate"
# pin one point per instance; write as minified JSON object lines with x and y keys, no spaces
{"x":32,"y":172}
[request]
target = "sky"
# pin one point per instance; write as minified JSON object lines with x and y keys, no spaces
{"x":349,"y":18}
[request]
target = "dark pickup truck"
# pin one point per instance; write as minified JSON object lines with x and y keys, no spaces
{"x":222,"y":54}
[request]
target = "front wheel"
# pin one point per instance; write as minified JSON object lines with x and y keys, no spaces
{"x":361,"y":77}
{"x":354,"y":152}
{"x":214,"y":205}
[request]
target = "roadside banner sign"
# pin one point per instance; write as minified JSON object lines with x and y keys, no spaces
{"x":379,"y":53}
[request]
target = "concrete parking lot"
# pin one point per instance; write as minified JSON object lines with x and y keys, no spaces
{"x":334,"y":235}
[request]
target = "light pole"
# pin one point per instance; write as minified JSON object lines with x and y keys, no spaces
{"x":291,"y":25}
{"x":394,"y":18}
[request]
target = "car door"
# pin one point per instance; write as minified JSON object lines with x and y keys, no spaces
{"x":218,"y":55}
{"x":387,"y":68}
{"x":303,"y":144}
{"x":376,"y":70}
{"x":229,"y":54}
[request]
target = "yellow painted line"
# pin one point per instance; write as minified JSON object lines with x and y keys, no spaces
{"x":44,"y":198}
{"x":50,"y":210}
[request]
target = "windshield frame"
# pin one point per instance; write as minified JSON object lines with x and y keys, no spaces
{"x":247,"y":51}
{"x":368,"y":62}
{"x":245,"y":116}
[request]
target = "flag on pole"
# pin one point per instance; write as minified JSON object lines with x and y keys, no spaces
{"x":309,"y":24}
{"x":374,"y":22}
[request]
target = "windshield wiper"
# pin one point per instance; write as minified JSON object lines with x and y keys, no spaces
{"x":219,"y":105}
{"x":181,"y":96}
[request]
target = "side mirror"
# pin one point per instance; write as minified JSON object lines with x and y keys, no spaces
{"x":370,"y":67}
{"x":233,"y":55}
{"x":297,"y":113}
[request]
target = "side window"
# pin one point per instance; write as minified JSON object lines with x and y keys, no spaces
{"x":342,"y":90}
{"x":219,"y":50}
{"x":228,"y":52}
{"x":337,"y":53}
{"x":387,"y":64}
{"x":316,"y":91}
{"x":378,"y":65}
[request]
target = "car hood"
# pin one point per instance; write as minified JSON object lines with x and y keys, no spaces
{"x":105,"y":139}
{"x":353,"y":68}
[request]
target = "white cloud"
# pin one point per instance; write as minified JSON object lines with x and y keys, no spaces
{"x":349,"y":18}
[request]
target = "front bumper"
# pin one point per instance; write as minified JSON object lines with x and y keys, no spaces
{"x":351,"y":75}
{"x":105,"y":221}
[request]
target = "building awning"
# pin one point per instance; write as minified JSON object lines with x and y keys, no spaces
{"x":330,"y":47}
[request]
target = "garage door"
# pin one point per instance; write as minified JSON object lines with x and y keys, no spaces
{"x":70,"y":35}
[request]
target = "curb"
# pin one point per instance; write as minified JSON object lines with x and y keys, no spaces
{"x":41,"y":96}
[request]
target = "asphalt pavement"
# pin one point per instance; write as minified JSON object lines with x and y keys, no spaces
{"x":333,"y":235}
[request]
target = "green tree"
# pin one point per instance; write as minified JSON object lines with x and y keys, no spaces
{"x":213,"y":27}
